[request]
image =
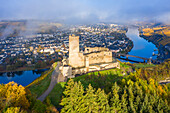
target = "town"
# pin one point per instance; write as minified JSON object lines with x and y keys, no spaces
{"x":41,"y":50}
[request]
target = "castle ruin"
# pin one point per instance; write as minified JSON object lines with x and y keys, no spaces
{"x":92,"y":59}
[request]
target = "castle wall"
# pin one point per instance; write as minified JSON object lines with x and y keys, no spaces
{"x":95,"y":49}
{"x":67,"y":71}
{"x":94,"y":55}
{"x":95,"y":68}
{"x":77,"y":60}
{"x":100,"y":57}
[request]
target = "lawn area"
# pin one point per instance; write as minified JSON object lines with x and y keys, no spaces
{"x":142,"y":65}
{"x":40,"y":87}
{"x":54,"y":65}
{"x":124,"y":65}
{"x":100,"y":79}
{"x":56,"y":94}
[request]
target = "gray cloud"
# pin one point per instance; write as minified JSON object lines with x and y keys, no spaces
{"x":86,"y":11}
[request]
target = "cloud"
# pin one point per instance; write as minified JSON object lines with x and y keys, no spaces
{"x":7,"y":31}
{"x":165,"y":18}
{"x":84,"y":11}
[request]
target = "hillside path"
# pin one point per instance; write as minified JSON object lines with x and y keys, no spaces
{"x":55,"y":78}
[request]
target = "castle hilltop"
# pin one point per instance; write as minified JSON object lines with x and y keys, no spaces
{"x":92,"y":59}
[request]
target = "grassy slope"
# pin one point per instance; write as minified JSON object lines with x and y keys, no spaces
{"x":142,"y":65}
{"x":40,"y":87}
{"x":56,"y":94}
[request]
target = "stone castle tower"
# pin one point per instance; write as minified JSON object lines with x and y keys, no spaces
{"x":76,"y":59}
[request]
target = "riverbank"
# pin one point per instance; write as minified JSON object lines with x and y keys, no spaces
{"x":121,"y":43}
{"x":40,"y":84}
{"x":162,"y":42}
{"x":129,"y":47}
{"x":25,"y":69}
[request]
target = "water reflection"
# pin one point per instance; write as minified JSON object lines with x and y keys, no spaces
{"x":21,"y":77}
{"x":38,"y":71}
{"x":142,"y":47}
{"x":19,"y":73}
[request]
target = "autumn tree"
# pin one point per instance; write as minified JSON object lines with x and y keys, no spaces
{"x":15,"y":110}
{"x":13,"y":95}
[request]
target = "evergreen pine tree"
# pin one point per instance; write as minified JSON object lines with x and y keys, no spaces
{"x":137,"y":103}
{"x":115,"y":101}
{"x":124,"y":102}
{"x":90,"y":101}
{"x":163,"y":106}
{"x":73,"y":100}
{"x":138,"y":95}
{"x":145,"y":105}
{"x":131,"y":99}
{"x":102,"y":101}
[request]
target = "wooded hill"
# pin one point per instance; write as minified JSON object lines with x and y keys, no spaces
{"x":115,"y":90}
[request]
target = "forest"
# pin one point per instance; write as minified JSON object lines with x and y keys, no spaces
{"x":130,"y":89}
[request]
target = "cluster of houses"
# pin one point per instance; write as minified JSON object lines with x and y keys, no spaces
{"x":100,"y":35}
{"x":36,"y":48}
{"x":53,"y":46}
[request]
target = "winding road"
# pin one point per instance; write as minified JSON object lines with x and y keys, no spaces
{"x":55,"y":78}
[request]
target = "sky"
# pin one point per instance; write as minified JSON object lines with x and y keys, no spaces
{"x":87,"y":11}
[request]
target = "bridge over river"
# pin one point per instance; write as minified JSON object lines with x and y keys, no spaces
{"x":145,"y":60}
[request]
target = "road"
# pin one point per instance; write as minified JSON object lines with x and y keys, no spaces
{"x":164,"y":81}
{"x":54,"y":79}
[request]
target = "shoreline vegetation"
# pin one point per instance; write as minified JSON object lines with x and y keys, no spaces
{"x":28,"y":68}
{"x":40,"y":84}
{"x":25,"y":69}
{"x":44,"y":74}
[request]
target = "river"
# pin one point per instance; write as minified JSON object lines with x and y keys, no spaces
{"x":141,"y":47}
{"x":21,"y":77}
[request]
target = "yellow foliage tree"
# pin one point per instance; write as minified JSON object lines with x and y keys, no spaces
{"x":13,"y":95}
{"x":15,"y":110}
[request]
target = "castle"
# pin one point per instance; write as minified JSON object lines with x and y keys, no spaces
{"x":92,"y":59}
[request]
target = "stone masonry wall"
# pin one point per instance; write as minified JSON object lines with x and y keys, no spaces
{"x":100,"y":57}
{"x":95,"y":49}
